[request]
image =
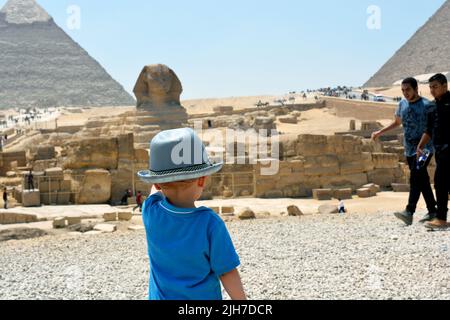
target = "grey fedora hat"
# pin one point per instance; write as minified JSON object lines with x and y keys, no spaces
{"x":178,"y":155}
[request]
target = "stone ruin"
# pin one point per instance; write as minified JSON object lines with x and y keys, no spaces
{"x":308,"y":163}
{"x":82,"y":171}
{"x":97,"y":162}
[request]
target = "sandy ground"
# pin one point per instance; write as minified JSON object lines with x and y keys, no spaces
{"x":77,"y":119}
{"x":51,"y":212}
{"x":383,"y":202}
{"x":356,"y":256}
{"x":317,"y":121}
{"x":320,"y":121}
{"x":199,"y":106}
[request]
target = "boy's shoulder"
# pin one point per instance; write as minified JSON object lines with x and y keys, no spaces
{"x":158,"y":196}
{"x":206,"y":212}
{"x":214,"y":215}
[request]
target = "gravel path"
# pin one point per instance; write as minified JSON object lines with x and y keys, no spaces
{"x":311,"y":257}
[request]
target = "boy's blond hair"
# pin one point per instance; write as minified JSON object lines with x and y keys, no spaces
{"x":176,"y":185}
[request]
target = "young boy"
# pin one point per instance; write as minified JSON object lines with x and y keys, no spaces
{"x":190,"y":249}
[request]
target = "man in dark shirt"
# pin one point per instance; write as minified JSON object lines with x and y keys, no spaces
{"x":5,"y":198}
{"x":438,"y":129}
{"x":412,"y":114}
{"x":30,"y":180}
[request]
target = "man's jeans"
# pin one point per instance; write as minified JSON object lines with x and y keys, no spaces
{"x":420,"y":184}
{"x":442,"y":183}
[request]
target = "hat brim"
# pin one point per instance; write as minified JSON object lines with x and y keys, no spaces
{"x":152,"y":177}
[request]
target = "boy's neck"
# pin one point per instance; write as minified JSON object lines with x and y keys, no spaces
{"x":185,"y":204}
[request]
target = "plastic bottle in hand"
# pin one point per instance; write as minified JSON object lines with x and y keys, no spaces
{"x":423,"y":159}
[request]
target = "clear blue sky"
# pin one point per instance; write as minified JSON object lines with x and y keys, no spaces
{"x":246,"y":47}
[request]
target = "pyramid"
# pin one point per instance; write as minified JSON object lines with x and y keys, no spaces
{"x":41,"y":66}
{"x":428,"y":51}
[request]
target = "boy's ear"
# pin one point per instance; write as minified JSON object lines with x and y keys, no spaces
{"x":201,"y":182}
{"x":157,"y":187}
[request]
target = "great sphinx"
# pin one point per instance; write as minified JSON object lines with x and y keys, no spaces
{"x":157,"y":86}
{"x":158,"y":107}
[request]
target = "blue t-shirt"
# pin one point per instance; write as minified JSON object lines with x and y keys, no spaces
{"x":414,"y":119}
{"x":189,"y":249}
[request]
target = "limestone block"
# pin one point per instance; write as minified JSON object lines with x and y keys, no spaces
{"x":31,"y":198}
{"x":18,"y":195}
{"x":227,"y":210}
{"x":312,"y":145}
{"x":344,"y":144}
{"x":63,"y":198}
{"x":65,"y":185}
{"x":400,"y":187}
{"x":91,"y":153}
{"x":110,"y":216}
{"x":96,"y":187}
{"x":385,"y":160}
{"x":125,"y":216}
{"x":223,"y":109}
{"x":54,"y":172}
{"x":49,"y":198}
{"x":364,"y":193}
{"x":374,"y":188}
{"x":382,"y":177}
{"x":136,"y":228}
{"x":351,"y":167}
{"x":73,"y":220}
{"x":288,"y":119}
{"x":353,"y":181}
{"x":342,"y":193}
{"x":45,"y":153}
{"x":246,"y":214}
{"x":322,"y":165}
{"x":294,"y":211}
{"x":126,"y":146}
{"x":141,"y":156}
{"x":92,"y":233}
{"x":47,"y":186}
{"x":59,"y":223}
{"x":322,"y":194}
{"x":106,"y":228}
{"x":272,"y":194}
{"x":11,"y":174}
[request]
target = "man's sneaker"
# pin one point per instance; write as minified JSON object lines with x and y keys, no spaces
{"x":428,"y":217}
{"x":405,"y":216}
{"x":437,"y":224}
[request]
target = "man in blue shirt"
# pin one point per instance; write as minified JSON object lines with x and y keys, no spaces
{"x":412,"y":114}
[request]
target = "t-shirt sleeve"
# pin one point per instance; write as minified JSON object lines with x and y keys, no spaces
{"x":223,"y":255}
{"x":149,"y":202}
{"x":398,"y":111}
